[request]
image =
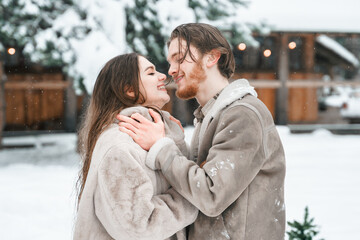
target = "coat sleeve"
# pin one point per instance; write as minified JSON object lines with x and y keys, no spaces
{"x":231,"y":164}
{"x":124,"y":200}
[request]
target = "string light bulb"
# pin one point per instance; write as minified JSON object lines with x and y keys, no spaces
{"x":267,"y":53}
{"x":242,"y":46}
{"x":292,"y":45}
{"x":11,"y":51}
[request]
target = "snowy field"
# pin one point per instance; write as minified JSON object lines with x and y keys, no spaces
{"x":37,"y":194}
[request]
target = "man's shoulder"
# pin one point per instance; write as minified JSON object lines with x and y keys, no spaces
{"x":249,"y":103}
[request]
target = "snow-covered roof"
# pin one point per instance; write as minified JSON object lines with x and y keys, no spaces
{"x":337,"y":48}
{"x":304,"y":15}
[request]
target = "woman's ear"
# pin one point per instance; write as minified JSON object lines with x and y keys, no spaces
{"x":130,"y":92}
{"x":213,"y":58}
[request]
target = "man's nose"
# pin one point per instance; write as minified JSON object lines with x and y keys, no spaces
{"x":173,"y":69}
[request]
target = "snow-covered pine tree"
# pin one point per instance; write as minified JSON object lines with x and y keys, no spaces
{"x":143,"y":32}
{"x":214,"y":10}
{"x":222,"y":14}
{"x":38,"y":30}
{"x":146,"y":34}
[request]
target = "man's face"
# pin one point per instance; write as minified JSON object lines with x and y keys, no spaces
{"x":187,"y":74}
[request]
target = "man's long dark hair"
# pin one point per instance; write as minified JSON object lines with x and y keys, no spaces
{"x":205,"y":38}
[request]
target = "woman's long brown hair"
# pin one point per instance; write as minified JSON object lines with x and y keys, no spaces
{"x":109,"y":97}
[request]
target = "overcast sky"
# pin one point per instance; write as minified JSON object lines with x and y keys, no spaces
{"x":305,"y":15}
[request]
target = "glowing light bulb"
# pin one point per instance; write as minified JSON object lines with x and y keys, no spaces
{"x":11,"y":51}
{"x":292,"y":45}
{"x":242,"y":46}
{"x":267,"y":53}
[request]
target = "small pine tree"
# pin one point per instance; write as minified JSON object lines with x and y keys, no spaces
{"x":303,"y":231}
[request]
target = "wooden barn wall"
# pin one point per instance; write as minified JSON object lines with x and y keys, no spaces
{"x":303,"y":102}
{"x":29,"y":107}
{"x":266,"y":95}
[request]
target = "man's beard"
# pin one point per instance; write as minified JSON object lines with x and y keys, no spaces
{"x":191,"y":85}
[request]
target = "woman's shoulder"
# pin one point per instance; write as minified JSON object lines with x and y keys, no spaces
{"x":144,"y":111}
{"x":114,"y":142}
{"x":113,"y":137}
{"x":136,"y":109}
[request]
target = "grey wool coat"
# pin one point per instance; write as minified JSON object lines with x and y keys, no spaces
{"x":123,"y":198}
{"x":237,"y":179}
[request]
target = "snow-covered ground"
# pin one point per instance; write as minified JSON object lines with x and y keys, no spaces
{"x":37,"y":196}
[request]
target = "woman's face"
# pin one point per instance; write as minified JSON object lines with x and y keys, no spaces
{"x":153,"y":86}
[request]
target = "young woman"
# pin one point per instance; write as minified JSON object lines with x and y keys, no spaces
{"x":119,"y":196}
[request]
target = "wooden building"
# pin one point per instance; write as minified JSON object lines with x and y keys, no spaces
{"x":300,"y":58}
{"x":288,"y":69}
{"x":292,"y":64}
{"x":36,"y":98}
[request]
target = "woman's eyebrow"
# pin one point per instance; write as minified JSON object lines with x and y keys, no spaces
{"x":149,"y":67}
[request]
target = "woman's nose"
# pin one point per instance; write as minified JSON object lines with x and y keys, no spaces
{"x":162,"y":77}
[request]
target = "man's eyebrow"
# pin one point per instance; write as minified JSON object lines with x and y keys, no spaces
{"x":172,"y":56}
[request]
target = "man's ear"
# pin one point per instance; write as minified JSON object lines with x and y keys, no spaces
{"x":213,"y":57}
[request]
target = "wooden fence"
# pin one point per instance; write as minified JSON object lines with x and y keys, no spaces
{"x":33,"y":100}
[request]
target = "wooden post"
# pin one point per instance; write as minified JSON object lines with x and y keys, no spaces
{"x":2,"y":102}
{"x":309,"y":53}
{"x":70,"y":107}
{"x":283,"y":75}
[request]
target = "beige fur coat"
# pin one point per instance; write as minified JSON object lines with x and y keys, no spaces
{"x":123,"y":198}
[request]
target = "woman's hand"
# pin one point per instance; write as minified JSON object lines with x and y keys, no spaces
{"x":142,"y":131}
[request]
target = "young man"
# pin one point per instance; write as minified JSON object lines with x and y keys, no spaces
{"x":236,"y":168}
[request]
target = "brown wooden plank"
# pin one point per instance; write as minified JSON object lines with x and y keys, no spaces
{"x":311,"y":105}
{"x":52,"y":76}
{"x":303,"y":105}
{"x":46,"y":106}
{"x":15,"y":108}
{"x":33,"y":107}
{"x":53,"y":104}
{"x":267,"y":95}
{"x":51,"y":84}
{"x":309,"y":52}
{"x":295,"y":104}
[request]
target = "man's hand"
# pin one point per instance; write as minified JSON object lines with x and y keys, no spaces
{"x":177,"y":122}
{"x":143,"y":132}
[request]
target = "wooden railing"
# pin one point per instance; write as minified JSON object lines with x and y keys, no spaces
{"x":309,"y":83}
{"x":31,"y":85}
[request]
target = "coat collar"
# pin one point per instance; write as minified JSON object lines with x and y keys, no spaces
{"x":234,"y":91}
